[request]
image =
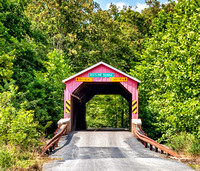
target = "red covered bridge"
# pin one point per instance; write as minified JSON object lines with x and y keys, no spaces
{"x":100,"y":78}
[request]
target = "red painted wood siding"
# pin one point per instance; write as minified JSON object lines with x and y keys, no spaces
{"x":130,"y":85}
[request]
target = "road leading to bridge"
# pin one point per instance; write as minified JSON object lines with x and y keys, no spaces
{"x":108,"y":151}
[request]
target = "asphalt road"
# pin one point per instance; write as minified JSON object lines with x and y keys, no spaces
{"x":108,"y":151}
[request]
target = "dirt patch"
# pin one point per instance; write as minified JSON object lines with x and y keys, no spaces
{"x":193,"y":162}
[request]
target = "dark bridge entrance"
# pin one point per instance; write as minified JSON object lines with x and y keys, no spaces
{"x":85,"y":92}
{"x":98,"y":79}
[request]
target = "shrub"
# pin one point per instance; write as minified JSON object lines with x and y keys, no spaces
{"x":185,"y":142}
{"x":195,"y":148}
{"x":23,"y":131}
{"x":6,"y":159}
{"x":17,"y":125}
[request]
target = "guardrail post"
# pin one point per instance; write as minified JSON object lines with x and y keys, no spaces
{"x":50,"y":149}
{"x":150,"y":147}
{"x":145,"y":144}
{"x":156,"y":149}
{"x":47,"y":151}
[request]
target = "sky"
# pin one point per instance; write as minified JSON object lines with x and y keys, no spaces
{"x":104,"y":4}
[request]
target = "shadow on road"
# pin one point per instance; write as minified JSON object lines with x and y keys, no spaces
{"x":68,"y":139}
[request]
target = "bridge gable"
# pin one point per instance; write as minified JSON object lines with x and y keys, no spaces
{"x":106,"y":72}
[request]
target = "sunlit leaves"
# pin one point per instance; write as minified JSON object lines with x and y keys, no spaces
{"x":17,"y":126}
{"x":107,"y":111}
{"x":170,"y":69}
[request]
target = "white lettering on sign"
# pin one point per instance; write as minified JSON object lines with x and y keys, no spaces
{"x":101,"y":74}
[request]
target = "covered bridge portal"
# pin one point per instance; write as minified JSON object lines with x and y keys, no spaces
{"x":100,"y":78}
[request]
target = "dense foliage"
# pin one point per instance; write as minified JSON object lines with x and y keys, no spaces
{"x":44,"y":42}
{"x":107,"y":111}
{"x":170,"y":72}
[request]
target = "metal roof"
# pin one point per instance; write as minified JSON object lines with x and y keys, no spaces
{"x":93,"y":66}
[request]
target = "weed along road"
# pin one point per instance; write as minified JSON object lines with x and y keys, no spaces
{"x":108,"y":150}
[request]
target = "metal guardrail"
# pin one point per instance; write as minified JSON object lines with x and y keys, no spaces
{"x":50,"y":146}
{"x":146,"y":140}
{"x":137,"y":130}
{"x":57,"y":130}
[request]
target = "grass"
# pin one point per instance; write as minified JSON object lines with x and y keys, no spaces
{"x":14,"y":158}
{"x":187,"y":145}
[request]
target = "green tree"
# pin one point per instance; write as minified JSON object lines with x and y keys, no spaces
{"x":153,"y":10}
{"x":17,"y":126}
{"x":169,"y":71}
{"x":110,"y":111}
{"x":24,"y":53}
{"x":59,"y":18}
{"x":46,"y":91}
